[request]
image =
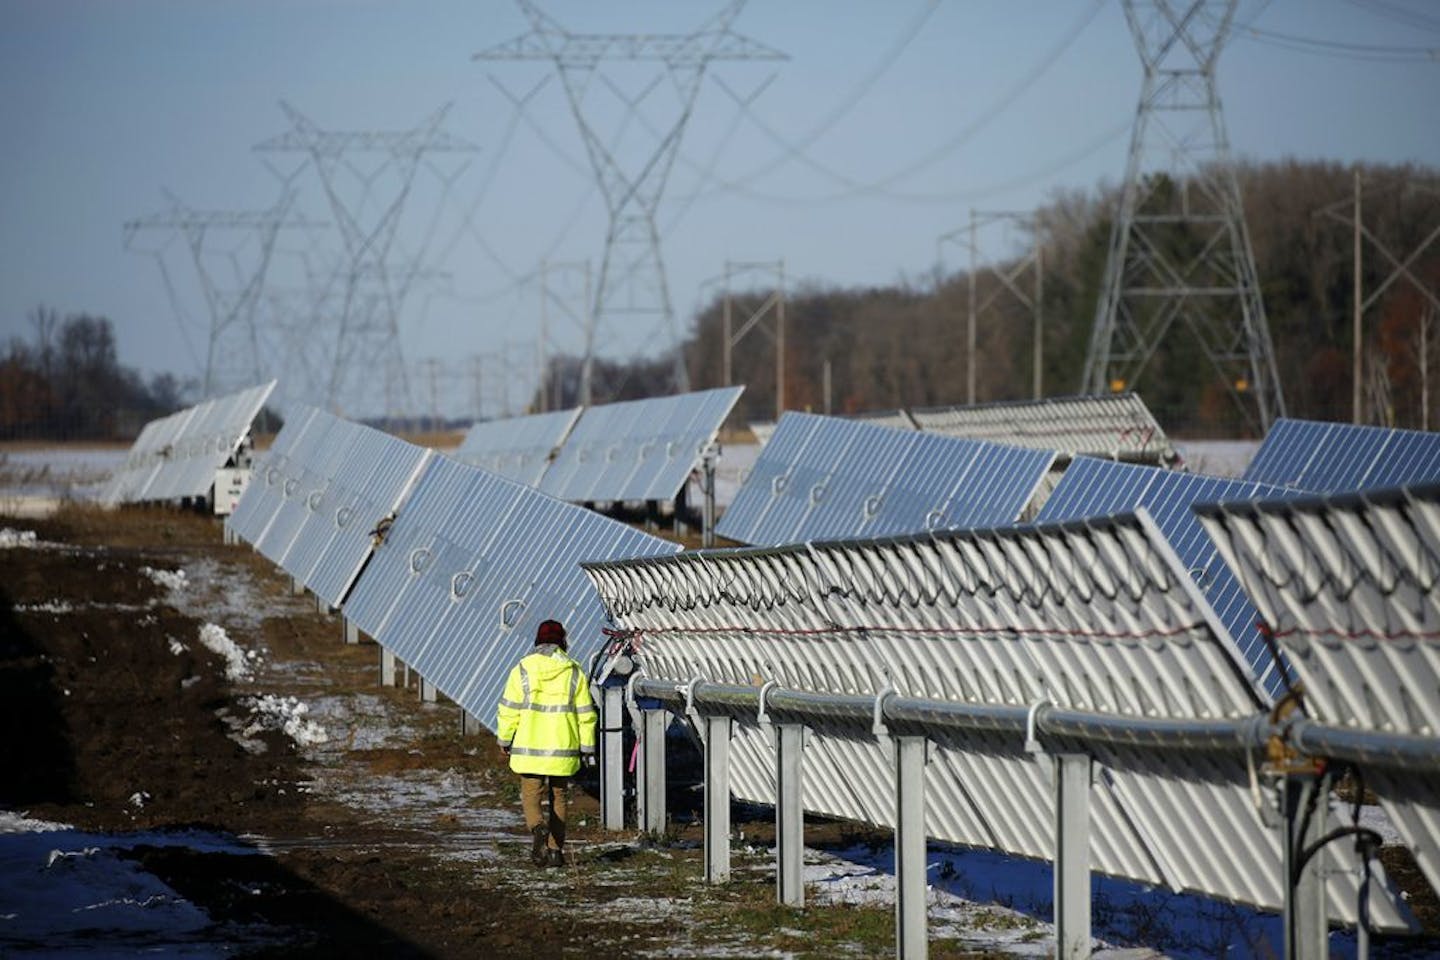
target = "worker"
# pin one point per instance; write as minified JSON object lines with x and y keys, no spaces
{"x":545,"y":722}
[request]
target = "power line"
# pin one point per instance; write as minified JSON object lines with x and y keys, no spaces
{"x":1397,"y":13}
{"x":1376,"y":53}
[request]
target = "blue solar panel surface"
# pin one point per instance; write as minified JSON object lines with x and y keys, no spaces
{"x":824,"y":478}
{"x":1094,"y":488}
{"x":520,"y":448}
{"x":471,"y":566}
{"x":639,"y":449}
{"x":1336,"y":457}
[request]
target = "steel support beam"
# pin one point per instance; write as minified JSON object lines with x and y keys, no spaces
{"x":297,"y":589}
{"x":717,"y":798}
{"x":387,"y":667}
{"x":612,"y":757}
{"x":1305,"y":800}
{"x":1072,"y":855}
{"x":427,"y":691}
{"x":470,"y":724}
{"x":350,"y":631}
{"x":789,"y":814}
{"x":650,"y":780}
{"x":911,"y":938}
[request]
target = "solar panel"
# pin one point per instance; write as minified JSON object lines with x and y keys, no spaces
{"x":1118,"y":426}
{"x":471,"y":565}
{"x":1093,"y":616}
{"x":639,"y":449}
{"x":265,"y":493}
{"x":1336,"y":457}
{"x":351,"y":478}
{"x":176,"y":456}
{"x":827,"y":478}
{"x":521,"y":448}
{"x":1348,"y":584}
{"x":1097,"y":488}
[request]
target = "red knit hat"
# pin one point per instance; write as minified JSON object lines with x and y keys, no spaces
{"x":550,"y":631}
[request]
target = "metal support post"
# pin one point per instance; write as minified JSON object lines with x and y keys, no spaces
{"x":427,"y":691}
{"x":387,"y":667}
{"x":612,"y":757}
{"x":911,"y":939}
{"x":321,"y":607}
{"x":1306,"y":807}
{"x":297,"y":589}
{"x":789,"y":814}
{"x":470,"y":724}
{"x":1072,"y":855}
{"x":717,"y":798}
{"x":650,"y":781}
{"x":350,"y":631}
{"x":404,"y":675}
{"x":707,"y":497}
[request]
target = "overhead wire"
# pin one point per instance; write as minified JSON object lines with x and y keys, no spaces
{"x":1375,"y":53}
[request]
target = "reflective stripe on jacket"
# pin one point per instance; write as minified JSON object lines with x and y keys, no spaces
{"x":545,"y":717}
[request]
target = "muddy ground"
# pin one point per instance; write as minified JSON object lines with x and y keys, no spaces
{"x":394,"y":836}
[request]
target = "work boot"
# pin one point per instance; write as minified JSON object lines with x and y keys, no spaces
{"x":540,"y":835}
{"x":556,"y":858}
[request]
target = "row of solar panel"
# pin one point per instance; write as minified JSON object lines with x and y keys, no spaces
{"x":449,"y":566}
{"x":176,"y":456}
{"x":629,"y":451}
{"x":1118,"y":426}
{"x":1092,"y":616}
{"x":823,"y":478}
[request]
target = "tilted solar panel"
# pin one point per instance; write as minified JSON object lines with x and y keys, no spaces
{"x":1118,"y":426}
{"x":1336,"y":457}
{"x":265,"y":493}
{"x":1097,"y":488}
{"x":828,"y":478}
{"x":639,"y":449}
{"x":521,"y":448}
{"x":471,"y":565}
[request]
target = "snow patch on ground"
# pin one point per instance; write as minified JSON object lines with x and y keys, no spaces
{"x":50,"y":606}
{"x":69,"y":893}
{"x":286,"y":714}
{"x":169,"y":579}
{"x":12,"y":539}
{"x":237,"y":661}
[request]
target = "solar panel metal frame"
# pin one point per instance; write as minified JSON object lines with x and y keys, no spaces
{"x":187,"y":447}
{"x":826,"y":478}
{"x":1322,"y":457}
{"x":521,"y":448}
{"x":1348,"y":584}
{"x":1091,"y":487}
{"x":469,"y":568}
{"x":638,"y":449}
{"x":265,"y":494}
{"x":1119,"y":426}
{"x":1002,"y":627}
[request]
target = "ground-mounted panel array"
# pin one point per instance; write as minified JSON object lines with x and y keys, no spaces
{"x":1350,"y":587}
{"x":1119,"y":426}
{"x":638,"y":449}
{"x":176,"y":456}
{"x":521,"y":448}
{"x":1338,"y":457}
{"x":1099,"y":617}
{"x":826,"y":478}
{"x":471,"y":565}
{"x":1095,"y":488}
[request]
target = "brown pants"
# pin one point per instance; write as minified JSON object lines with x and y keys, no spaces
{"x":533,"y":791}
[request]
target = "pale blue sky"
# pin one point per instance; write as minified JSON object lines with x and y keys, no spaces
{"x":107,"y":104}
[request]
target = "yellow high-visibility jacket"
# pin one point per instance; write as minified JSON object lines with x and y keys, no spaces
{"x":545,"y":717}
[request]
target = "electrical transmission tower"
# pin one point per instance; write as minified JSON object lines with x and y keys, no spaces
{"x":1179,"y":250}
{"x":236,"y":354}
{"x":364,"y":295}
{"x":632,"y":271}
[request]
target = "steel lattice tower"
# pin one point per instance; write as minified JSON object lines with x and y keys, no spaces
{"x":235,"y":342}
{"x":632,"y":263}
{"x":1179,"y":248}
{"x":372,"y":289}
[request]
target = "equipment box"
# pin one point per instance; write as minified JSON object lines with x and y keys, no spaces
{"x":229,"y":484}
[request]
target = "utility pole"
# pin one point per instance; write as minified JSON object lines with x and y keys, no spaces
{"x":1348,"y":212}
{"x":631,"y":262}
{"x":1008,"y":280}
{"x":1180,"y":252}
{"x":774,"y":302}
